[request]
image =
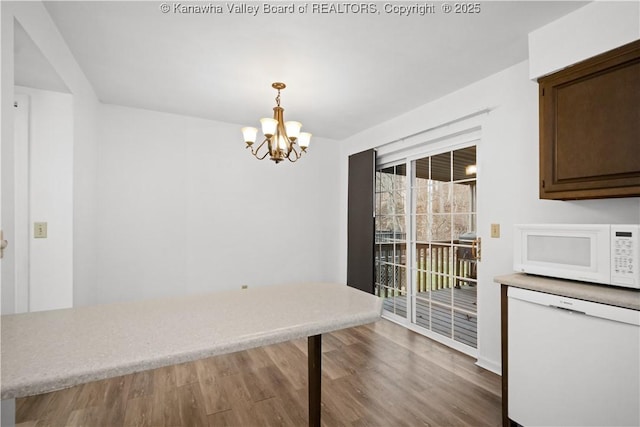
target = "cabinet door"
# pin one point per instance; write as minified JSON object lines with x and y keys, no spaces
{"x":590,"y":128}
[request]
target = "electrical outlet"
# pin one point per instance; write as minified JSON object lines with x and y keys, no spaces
{"x":495,"y":231}
{"x":244,"y":286}
{"x":39,"y":230}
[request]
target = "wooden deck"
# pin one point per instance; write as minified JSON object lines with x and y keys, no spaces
{"x":465,"y":326}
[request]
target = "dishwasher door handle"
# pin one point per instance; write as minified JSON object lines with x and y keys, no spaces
{"x":568,"y":309}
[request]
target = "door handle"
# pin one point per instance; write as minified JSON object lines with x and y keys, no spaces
{"x":3,"y":244}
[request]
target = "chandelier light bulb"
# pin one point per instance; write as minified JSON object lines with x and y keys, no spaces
{"x":268,"y":126}
{"x":292,"y":129}
{"x":249,"y":134}
{"x":303,"y":140}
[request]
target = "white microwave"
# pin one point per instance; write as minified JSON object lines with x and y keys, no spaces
{"x":598,"y":253}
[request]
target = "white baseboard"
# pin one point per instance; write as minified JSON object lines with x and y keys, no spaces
{"x":489,"y":365}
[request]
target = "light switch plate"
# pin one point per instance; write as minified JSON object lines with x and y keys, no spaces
{"x":495,"y":231}
{"x":39,"y":230}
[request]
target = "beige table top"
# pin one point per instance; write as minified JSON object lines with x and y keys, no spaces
{"x":51,"y":350}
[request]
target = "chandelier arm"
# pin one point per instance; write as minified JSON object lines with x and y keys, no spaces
{"x":266,"y":153}
{"x":293,"y":149}
{"x":255,"y":153}
{"x":298,"y":153}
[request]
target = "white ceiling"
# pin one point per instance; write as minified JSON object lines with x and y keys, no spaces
{"x":344,"y":72}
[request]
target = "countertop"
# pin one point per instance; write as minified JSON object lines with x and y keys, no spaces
{"x":51,"y":350}
{"x":611,"y":295}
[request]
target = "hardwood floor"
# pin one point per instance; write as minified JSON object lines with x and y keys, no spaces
{"x":374,"y":375}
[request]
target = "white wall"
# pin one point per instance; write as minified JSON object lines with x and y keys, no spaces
{"x":50,"y":190}
{"x":185,"y":208}
{"x":182,"y":205}
{"x":593,"y":29}
{"x":38,"y":24}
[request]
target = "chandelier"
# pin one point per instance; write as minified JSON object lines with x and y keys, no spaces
{"x":280,"y":137}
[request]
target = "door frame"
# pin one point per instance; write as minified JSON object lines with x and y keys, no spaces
{"x":472,"y":138}
{"x":22,"y":213}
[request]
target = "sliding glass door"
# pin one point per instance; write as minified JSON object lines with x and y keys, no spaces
{"x":426,"y":245}
{"x":391,"y":238}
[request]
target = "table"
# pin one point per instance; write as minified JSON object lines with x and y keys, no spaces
{"x":52,"y":350}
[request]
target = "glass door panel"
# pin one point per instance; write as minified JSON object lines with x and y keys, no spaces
{"x":425,"y":244}
{"x":391,"y":239}
{"x":443,"y":187}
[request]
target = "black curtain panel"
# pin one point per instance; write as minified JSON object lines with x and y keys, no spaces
{"x":360,"y":223}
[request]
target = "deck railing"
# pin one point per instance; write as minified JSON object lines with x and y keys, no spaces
{"x":439,"y":266}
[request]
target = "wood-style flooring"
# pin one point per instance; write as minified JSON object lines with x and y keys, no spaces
{"x":375,"y":375}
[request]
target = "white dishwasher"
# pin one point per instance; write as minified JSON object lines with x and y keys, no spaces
{"x":572,"y":362}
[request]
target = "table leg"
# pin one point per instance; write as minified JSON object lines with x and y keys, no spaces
{"x":8,"y":413}
{"x":315,"y":373}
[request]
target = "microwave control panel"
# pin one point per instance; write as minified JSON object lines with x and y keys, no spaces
{"x":624,"y":255}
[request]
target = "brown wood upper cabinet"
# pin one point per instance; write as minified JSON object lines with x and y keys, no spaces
{"x":590,"y":128}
